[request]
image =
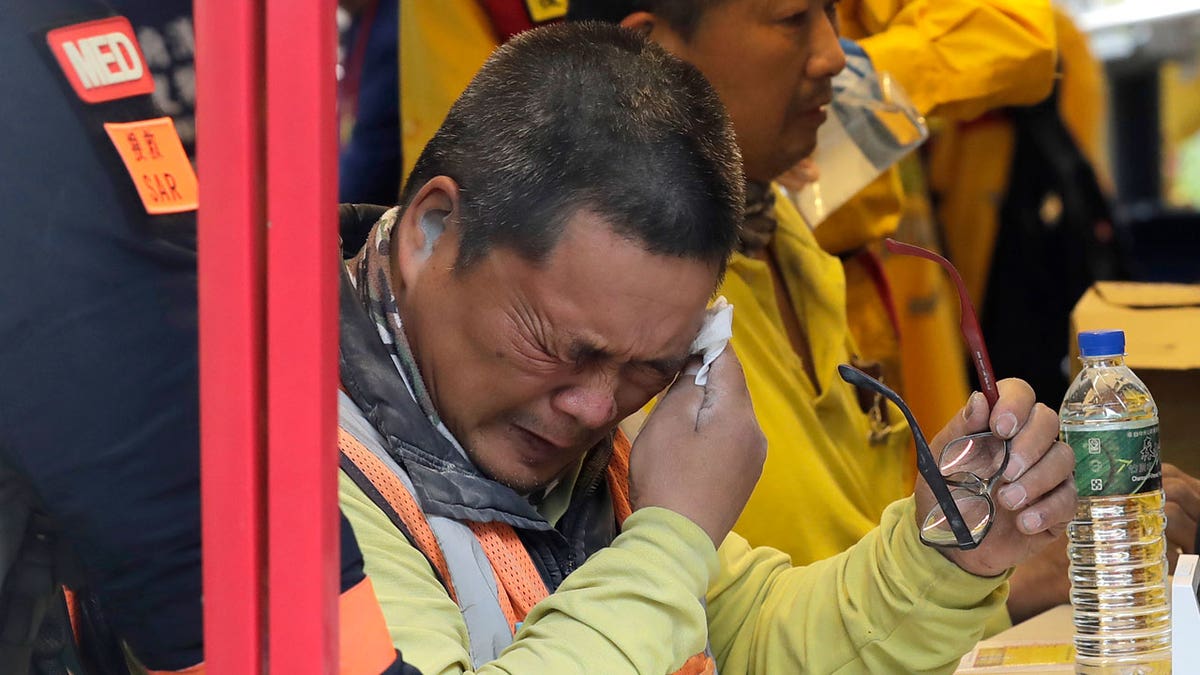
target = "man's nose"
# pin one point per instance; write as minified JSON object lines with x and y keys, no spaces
{"x":592,"y":403}
{"x":826,"y":57}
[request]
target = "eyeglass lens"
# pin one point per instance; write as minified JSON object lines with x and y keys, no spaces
{"x":970,"y":465}
{"x":977,"y":513}
{"x":982,"y":454}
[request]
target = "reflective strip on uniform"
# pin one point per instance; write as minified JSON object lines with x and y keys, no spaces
{"x":465,"y":566}
{"x":364,"y":645}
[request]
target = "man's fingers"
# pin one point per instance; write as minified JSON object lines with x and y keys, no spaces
{"x":1012,"y":410}
{"x":683,"y":393}
{"x":726,"y":380}
{"x":1033,"y":441}
{"x":1049,"y":513}
{"x":726,"y":370}
{"x":725,"y":389}
{"x":1050,"y":471}
{"x":970,"y":419}
{"x":1011,"y":413}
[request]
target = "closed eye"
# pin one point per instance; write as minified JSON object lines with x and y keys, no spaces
{"x":650,"y":377}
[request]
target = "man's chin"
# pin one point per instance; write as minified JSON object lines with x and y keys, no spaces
{"x":525,"y":468}
{"x":523,"y":481}
{"x":781,"y":164}
{"x":522,"y":484}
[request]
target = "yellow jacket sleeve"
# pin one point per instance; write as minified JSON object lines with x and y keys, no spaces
{"x":886,"y":605}
{"x":633,"y":607}
{"x":958,"y":58}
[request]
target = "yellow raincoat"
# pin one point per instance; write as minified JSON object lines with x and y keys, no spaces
{"x":969,"y":162}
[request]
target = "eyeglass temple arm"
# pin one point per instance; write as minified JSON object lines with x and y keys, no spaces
{"x":968,"y":321}
{"x":926,"y":464}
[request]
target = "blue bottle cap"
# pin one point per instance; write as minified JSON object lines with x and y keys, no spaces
{"x":1102,"y":343}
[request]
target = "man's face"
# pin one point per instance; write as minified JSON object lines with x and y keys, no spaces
{"x":532,"y":365}
{"x":772,"y":63}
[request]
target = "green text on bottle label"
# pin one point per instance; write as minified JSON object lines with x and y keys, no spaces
{"x":1113,"y":462}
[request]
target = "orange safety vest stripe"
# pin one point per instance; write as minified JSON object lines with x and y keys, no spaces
{"x":364,"y":644}
{"x":72,"y":612}
{"x":618,"y":476}
{"x":519,"y":585}
{"x":700,"y":664}
{"x":400,"y":499}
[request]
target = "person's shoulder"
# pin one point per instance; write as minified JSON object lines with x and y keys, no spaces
{"x":370,"y":523}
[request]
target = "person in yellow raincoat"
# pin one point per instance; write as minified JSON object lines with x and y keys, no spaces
{"x":967,"y":200}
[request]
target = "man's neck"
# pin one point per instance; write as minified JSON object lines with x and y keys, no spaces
{"x":759,"y":224}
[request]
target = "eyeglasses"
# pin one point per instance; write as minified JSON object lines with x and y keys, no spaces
{"x":963,"y":478}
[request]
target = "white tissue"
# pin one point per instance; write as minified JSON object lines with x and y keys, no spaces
{"x":713,"y":336}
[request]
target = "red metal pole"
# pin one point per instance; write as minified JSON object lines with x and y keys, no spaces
{"x":232,"y":329}
{"x":302,"y":255}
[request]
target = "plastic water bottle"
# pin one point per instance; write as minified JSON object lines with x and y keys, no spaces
{"x":1117,"y":546}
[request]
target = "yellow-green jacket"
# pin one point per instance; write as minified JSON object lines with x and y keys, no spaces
{"x":887,"y":605}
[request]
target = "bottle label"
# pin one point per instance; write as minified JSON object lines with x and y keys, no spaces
{"x":1111,"y":462}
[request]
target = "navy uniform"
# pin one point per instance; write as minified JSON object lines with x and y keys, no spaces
{"x":99,"y":412}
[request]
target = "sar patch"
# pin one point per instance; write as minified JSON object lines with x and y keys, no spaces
{"x":157,"y":163}
{"x":101,"y":59}
{"x":541,"y":11}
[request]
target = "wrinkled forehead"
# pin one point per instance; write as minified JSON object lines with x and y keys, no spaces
{"x":600,"y":289}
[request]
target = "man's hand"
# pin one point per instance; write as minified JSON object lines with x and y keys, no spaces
{"x":1035,"y":497}
{"x":1183,"y":511}
{"x":701,"y":451}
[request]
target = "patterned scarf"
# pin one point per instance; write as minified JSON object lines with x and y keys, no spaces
{"x":759,"y":224}
{"x":370,"y":271}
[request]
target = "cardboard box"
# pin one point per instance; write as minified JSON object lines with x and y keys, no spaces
{"x":1162,"y":345}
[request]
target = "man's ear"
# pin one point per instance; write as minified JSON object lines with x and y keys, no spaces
{"x":650,"y":25}
{"x":641,"y":23}
{"x":418,"y":236}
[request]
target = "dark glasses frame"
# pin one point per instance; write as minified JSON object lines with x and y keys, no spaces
{"x":927,"y":465}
